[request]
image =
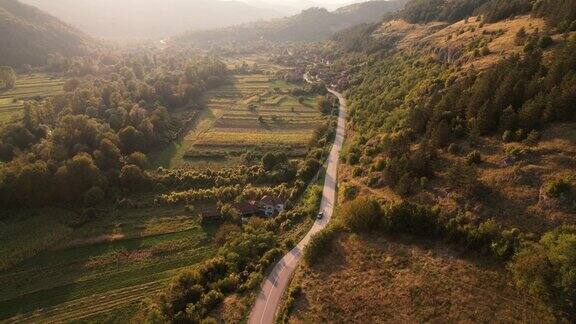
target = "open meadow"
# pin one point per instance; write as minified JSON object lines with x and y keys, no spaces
{"x":33,"y":86}
{"x":251,"y":113}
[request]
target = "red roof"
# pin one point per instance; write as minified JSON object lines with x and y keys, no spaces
{"x":268,"y":200}
{"x":210,"y":213}
{"x":246,"y":208}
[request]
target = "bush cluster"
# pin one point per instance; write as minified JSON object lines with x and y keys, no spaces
{"x":238,"y":266}
{"x":319,"y":244}
{"x":546,"y":269}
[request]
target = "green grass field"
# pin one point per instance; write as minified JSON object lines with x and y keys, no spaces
{"x":253,"y":113}
{"x":35,"y":86}
{"x":82,"y":269}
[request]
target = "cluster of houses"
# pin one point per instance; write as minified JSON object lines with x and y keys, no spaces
{"x":268,"y":206}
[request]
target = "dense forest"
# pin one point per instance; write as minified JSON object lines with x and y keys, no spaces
{"x":559,"y":13}
{"x":93,"y":138}
{"x":30,"y":35}
{"x":313,"y":24}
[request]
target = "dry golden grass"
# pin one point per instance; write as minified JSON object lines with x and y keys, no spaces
{"x":451,"y":43}
{"x":513,"y":191}
{"x":371,"y":279}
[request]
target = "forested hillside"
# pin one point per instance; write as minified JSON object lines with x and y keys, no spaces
{"x":559,"y":13}
{"x":311,"y":25}
{"x":462,"y":132}
{"x":28,"y":35}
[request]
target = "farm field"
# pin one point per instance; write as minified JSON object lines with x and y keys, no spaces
{"x":27,"y":87}
{"x":86,"y":268}
{"x":252,"y":113}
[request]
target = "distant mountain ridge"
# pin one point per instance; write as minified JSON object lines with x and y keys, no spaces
{"x":28,"y":35}
{"x":313,"y":24}
{"x":151,"y":18}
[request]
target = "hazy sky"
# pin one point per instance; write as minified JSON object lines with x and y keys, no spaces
{"x":317,"y":1}
{"x":302,"y":4}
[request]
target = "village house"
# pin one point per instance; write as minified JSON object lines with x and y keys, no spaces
{"x":267,"y":206}
{"x":271,"y":205}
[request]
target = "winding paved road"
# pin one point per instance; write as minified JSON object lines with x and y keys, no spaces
{"x":275,"y":284}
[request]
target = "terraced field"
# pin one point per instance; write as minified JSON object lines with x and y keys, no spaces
{"x":253,"y":113}
{"x":27,"y":87}
{"x":128,"y":257}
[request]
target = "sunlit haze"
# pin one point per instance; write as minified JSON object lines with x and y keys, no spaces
{"x":287,"y":161}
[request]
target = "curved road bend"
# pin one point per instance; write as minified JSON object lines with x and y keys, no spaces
{"x":275,"y":284}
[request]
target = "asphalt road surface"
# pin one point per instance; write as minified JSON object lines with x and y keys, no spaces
{"x":268,"y":300}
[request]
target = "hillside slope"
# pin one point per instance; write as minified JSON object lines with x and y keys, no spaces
{"x":28,"y":35}
{"x":462,"y":133}
{"x":310,"y":25}
{"x":151,"y":18}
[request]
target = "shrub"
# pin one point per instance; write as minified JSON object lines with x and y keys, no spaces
{"x":516,"y":151}
{"x":318,"y":245}
{"x":353,"y":158}
{"x":209,"y":320}
{"x":454,"y":149}
{"x":424,"y":182}
{"x":533,"y":137}
{"x":289,"y":303}
{"x":408,"y":218}
{"x":521,"y":36}
{"x":270,"y":257}
{"x":254,"y":280}
{"x":405,"y":185}
{"x":465,"y":178}
{"x":361,"y":214}
{"x":474,"y":158}
{"x":557,"y":188}
{"x":229,"y":284}
{"x":229,"y":213}
{"x":211,"y":299}
{"x":520,"y":135}
{"x":545,"y":42}
{"x":350,"y":192}
{"x":224,"y":232}
{"x":93,"y":196}
{"x":357,"y":172}
{"x":507,"y":137}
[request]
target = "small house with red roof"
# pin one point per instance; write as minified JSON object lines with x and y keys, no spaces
{"x":272,"y":205}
